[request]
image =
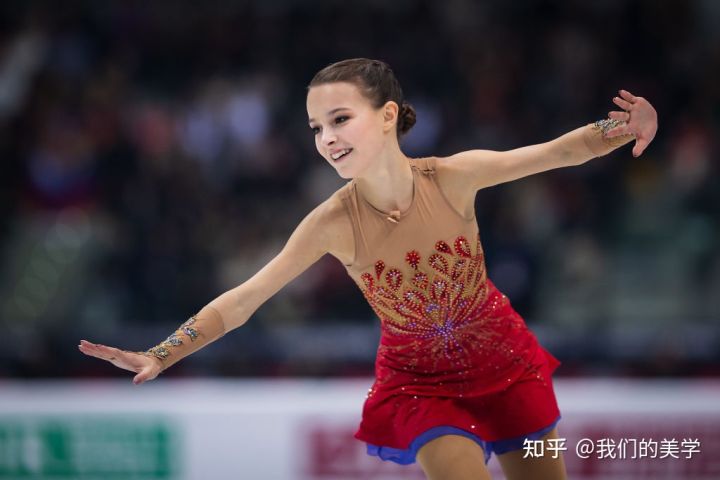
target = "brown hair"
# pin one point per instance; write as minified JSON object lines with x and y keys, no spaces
{"x":376,"y":82}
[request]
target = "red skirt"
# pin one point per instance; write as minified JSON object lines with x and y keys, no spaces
{"x":397,"y":427}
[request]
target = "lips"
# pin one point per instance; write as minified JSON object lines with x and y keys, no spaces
{"x":340,"y":154}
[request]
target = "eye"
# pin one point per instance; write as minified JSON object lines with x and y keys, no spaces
{"x":341,"y":119}
{"x":315,"y":130}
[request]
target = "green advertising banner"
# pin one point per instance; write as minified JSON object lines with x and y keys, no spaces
{"x":76,"y":447}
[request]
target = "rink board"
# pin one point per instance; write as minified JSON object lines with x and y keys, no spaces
{"x":303,"y":429}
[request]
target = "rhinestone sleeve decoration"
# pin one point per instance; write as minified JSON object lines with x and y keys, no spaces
{"x":162,"y":350}
{"x":602,"y":127}
{"x":439,"y":318}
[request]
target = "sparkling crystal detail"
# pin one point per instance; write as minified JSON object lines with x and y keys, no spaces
{"x":441,"y":318}
{"x":413,"y":259}
{"x":174,"y":340}
{"x":442,"y":247}
{"x":190,"y":332}
{"x":379,"y":267}
{"x":393,"y":278}
{"x":462,"y":247}
{"x":439,"y":263}
{"x":159,"y":351}
{"x":420,"y":280}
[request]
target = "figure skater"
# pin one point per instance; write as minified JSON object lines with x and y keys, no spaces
{"x":458,"y":373}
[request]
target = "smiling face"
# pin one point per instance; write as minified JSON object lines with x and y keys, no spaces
{"x":349,"y":132}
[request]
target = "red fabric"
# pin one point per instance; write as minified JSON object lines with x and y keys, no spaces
{"x":486,"y":374}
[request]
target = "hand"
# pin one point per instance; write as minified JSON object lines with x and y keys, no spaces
{"x":147,"y":368}
{"x":641,"y":120}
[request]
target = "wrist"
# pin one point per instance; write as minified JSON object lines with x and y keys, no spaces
{"x":597,"y":141}
{"x":147,"y":353}
{"x":158,"y":360}
{"x":199,"y":330}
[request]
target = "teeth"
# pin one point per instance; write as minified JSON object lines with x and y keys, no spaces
{"x":339,"y":154}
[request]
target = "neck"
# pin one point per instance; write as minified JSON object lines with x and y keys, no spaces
{"x":388,"y":183}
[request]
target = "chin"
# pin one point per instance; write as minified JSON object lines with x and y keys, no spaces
{"x":347,"y":171}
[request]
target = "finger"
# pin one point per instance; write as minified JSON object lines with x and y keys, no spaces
{"x":87,"y":347}
{"x":106,"y":349}
{"x":91,"y":352}
{"x":615,"y":115}
{"x":142,"y":377}
{"x":617,"y":131}
{"x":84,"y":349}
{"x":103,"y":352}
{"x":624,"y":104}
{"x":628,"y":96}
{"x":100,"y":349}
{"x":639,"y":147}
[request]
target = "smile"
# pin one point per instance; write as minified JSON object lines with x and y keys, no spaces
{"x":337,"y":155}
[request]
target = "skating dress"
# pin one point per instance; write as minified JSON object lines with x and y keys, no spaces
{"x":454,"y":356}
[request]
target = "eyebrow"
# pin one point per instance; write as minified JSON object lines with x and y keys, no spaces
{"x":334,"y":110}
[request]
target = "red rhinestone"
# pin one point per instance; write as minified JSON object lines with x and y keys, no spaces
{"x":413,"y":258}
{"x":462,"y":247}
{"x":379,"y":267}
{"x":393,"y":278}
{"x":420,"y":280}
{"x":443,"y":247}
{"x":439,"y":263}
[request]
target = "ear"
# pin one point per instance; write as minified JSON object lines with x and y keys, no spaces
{"x":390,"y":115}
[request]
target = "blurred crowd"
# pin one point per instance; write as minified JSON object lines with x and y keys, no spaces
{"x":156,"y":154}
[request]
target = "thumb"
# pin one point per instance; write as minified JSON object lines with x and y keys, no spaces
{"x":141,"y":377}
{"x":639,"y":147}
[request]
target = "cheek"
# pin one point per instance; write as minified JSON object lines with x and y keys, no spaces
{"x":357,"y":135}
{"x":373,"y":129}
{"x":371,"y":137}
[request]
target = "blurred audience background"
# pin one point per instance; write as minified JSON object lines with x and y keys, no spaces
{"x":157,"y":154}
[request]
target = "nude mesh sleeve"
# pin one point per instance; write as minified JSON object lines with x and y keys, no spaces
{"x":596,"y":140}
{"x":199,"y":330}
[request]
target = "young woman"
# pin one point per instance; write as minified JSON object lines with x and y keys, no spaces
{"x":458,"y":373}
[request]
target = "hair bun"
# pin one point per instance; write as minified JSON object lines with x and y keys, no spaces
{"x":406,"y":118}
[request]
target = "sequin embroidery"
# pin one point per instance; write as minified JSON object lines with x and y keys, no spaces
{"x":438,"y":319}
{"x":162,"y":350}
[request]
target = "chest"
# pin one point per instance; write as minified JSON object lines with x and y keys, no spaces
{"x":438,"y":213}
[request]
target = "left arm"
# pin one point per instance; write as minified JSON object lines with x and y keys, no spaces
{"x":483,"y":168}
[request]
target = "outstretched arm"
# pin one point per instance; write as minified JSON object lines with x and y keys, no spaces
{"x":315,"y":235}
{"x":483,"y":168}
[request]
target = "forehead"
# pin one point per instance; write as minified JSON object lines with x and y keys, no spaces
{"x":323,"y":98}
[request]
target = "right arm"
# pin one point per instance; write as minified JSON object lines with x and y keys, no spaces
{"x":307,"y":244}
{"x":323,"y":230}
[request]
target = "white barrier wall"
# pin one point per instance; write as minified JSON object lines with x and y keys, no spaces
{"x":303,"y":429}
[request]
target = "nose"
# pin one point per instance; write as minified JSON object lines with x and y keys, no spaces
{"x":328,"y":137}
